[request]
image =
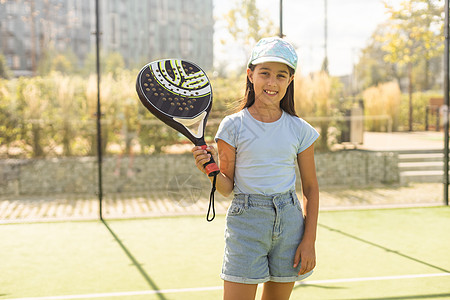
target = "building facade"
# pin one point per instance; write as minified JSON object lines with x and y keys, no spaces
{"x":140,"y":30}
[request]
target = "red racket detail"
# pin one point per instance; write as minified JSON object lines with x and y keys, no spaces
{"x":210,"y":167}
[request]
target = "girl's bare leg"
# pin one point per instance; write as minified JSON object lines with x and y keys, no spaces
{"x":239,"y":291}
{"x":277,"y":290}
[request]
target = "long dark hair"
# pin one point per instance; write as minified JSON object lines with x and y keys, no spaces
{"x":286,"y":104}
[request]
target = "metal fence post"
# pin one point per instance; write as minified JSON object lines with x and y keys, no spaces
{"x":99,"y":114}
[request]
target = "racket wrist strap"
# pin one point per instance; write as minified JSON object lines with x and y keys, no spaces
{"x":211,"y":208}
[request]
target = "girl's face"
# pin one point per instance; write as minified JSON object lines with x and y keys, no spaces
{"x":270,"y":82}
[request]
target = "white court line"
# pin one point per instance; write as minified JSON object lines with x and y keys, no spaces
{"x":371,"y":278}
{"x":215,"y":288}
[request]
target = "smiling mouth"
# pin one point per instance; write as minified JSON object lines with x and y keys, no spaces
{"x":270,"y":92}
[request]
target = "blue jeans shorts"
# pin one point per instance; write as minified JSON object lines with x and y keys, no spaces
{"x":261,"y":237}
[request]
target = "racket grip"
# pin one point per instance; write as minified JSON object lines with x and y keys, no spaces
{"x":211,"y":167}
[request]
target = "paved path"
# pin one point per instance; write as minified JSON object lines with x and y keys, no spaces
{"x":421,"y":140}
{"x":74,"y":207}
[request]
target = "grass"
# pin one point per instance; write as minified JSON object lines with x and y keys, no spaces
{"x":74,"y":258}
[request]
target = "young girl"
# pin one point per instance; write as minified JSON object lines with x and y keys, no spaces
{"x":269,"y":235}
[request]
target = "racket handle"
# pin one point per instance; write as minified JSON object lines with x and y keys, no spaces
{"x":211,"y":167}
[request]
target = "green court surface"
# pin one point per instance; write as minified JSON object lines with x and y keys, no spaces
{"x":362,"y":254}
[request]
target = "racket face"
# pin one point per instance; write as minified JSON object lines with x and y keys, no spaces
{"x":178,"y":92}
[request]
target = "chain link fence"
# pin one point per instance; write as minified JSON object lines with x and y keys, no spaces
{"x":49,"y":159}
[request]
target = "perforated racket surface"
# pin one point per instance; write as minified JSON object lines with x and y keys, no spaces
{"x":177,"y":92}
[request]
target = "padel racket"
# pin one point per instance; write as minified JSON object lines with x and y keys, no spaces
{"x":179,"y":93}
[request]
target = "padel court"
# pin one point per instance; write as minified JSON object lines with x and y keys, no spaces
{"x":362,"y":254}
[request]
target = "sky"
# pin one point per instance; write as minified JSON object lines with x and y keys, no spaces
{"x":350,"y":25}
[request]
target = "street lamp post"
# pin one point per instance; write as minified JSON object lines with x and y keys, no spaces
{"x":281,"y":19}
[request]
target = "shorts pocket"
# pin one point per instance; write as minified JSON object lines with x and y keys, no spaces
{"x":235,"y":209}
{"x":298,"y":204}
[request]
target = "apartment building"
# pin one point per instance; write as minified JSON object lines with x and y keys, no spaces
{"x":141,"y":30}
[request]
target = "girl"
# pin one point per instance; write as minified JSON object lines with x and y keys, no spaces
{"x":269,"y":235}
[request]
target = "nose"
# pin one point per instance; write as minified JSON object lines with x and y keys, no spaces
{"x":272,"y":80}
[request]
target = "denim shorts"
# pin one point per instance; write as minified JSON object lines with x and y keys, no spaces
{"x":261,"y":237}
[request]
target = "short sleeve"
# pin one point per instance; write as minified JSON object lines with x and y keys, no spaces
{"x":307,"y":137}
{"x":227,"y":132}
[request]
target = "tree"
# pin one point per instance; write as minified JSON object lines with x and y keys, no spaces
{"x":372,"y":69}
{"x":247,"y":24}
{"x":413,"y":34}
{"x":34,"y":106}
{"x":9,"y":120}
{"x":114,"y":63}
{"x":52,"y":60}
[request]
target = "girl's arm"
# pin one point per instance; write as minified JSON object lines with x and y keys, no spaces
{"x":310,"y":188}
{"x":226,"y":162}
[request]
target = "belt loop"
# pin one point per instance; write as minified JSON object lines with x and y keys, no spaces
{"x":294,"y":197}
{"x":246,"y":201}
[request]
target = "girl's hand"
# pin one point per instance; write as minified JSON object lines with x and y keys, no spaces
{"x":306,"y":253}
{"x":203,"y":156}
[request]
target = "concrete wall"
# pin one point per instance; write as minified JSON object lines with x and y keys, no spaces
{"x":157,"y":172}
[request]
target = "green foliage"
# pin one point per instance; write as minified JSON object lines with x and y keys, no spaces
{"x":62,"y":63}
{"x":67,"y":63}
{"x":52,"y":60}
{"x":316,"y":97}
{"x":413,"y":32}
{"x":56,"y":115}
{"x":227,"y":93}
{"x":114,"y":63}
{"x":409,"y":44}
{"x":9,"y":121}
{"x":34,"y":106}
{"x":110,"y":63}
{"x":247,"y":24}
{"x":372,"y":69}
{"x":5,"y":72}
{"x":420,"y":100}
{"x":383,"y":100}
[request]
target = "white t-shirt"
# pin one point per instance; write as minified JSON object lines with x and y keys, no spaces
{"x":266,"y":153}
